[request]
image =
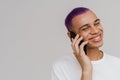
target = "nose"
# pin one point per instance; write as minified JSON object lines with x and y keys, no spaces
{"x":94,"y":30}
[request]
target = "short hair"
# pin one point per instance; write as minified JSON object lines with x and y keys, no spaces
{"x":72,"y":14}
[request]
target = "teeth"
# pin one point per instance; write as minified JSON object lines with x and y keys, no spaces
{"x":96,"y":38}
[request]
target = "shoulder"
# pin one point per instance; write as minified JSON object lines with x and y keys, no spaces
{"x":112,"y":58}
{"x":109,"y":56}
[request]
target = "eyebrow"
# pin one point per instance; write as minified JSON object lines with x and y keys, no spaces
{"x":87,"y":24}
{"x":97,"y":20}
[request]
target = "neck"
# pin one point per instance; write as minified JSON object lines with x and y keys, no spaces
{"x":94,"y":54}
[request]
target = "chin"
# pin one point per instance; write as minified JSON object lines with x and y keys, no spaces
{"x":95,"y":45}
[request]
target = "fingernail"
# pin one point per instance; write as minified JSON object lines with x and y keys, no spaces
{"x":77,"y":34}
{"x":86,"y":41}
{"x":81,"y":37}
{"x":72,"y":39}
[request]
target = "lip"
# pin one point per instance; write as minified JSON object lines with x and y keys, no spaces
{"x":96,"y":38}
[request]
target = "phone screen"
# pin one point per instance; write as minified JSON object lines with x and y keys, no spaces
{"x":72,"y":35}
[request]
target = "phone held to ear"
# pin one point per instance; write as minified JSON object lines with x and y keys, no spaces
{"x":72,"y":35}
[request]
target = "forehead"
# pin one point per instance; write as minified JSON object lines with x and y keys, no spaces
{"x":85,"y":18}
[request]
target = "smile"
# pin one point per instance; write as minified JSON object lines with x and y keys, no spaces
{"x":96,"y":38}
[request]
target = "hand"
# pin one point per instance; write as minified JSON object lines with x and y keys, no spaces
{"x":79,"y":53}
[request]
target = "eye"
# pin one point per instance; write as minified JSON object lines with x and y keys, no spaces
{"x":97,"y":24}
{"x":84,"y":28}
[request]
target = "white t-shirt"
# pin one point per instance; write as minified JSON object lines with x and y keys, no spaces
{"x":68,"y":68}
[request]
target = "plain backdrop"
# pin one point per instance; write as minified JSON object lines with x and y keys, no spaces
{"x":33,"y":35}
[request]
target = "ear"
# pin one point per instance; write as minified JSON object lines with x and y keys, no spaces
{"x":68,"y":33}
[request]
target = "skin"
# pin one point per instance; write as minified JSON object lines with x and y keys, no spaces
{"x":87,"y":27}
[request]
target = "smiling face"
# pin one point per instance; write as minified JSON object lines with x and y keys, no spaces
{"x":89,"y":27}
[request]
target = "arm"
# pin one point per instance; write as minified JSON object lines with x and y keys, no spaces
{"x":86,"y":75}
{"x":82,"y":58}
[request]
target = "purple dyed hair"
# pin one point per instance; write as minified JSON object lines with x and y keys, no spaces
{"x":72,"y":14}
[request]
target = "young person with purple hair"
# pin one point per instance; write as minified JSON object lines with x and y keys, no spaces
{"x":92,"y":64}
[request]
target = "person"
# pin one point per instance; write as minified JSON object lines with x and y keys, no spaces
{"x":94,"y":64}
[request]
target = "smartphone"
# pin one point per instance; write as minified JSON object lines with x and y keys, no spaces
{"x":72,"y":35}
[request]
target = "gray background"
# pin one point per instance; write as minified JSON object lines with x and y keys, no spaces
{"x":33,"y":35}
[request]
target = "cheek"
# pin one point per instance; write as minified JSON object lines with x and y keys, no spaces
{"x":85,"y":35}
{"x":100,"y":28}
{"x":101,"y":31}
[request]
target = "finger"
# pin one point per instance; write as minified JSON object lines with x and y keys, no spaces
{"x":77,"y":44}
{"x":82,"y":52}
{"x":75,"y":39}
{"x":73,"y":42}
{"x":78,"y":41}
